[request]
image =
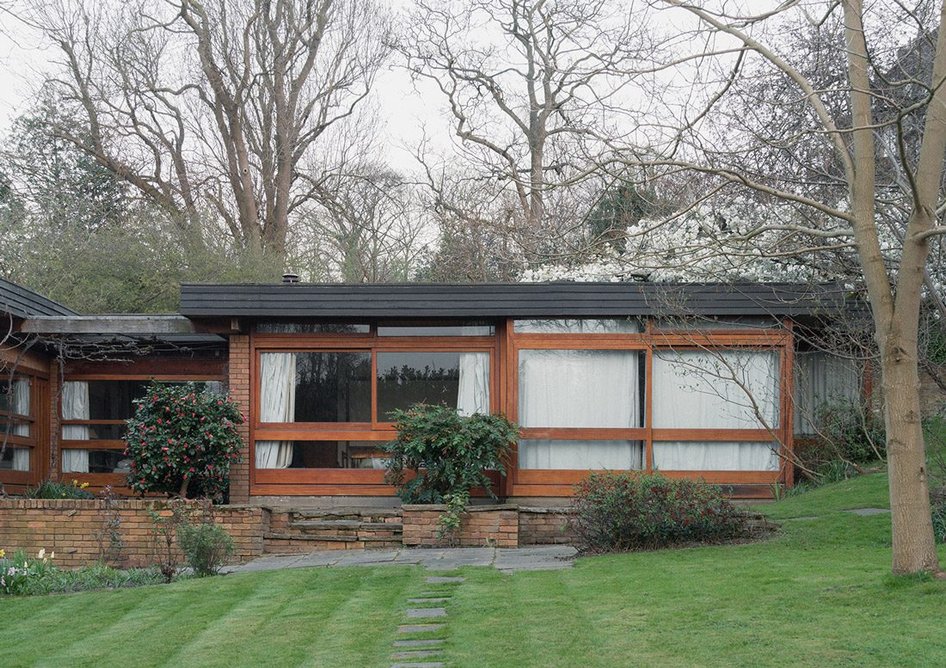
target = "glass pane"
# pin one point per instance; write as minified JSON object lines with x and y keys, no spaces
{"x":319,"y":455}
{"x":14,"y":427}
{"x":85,"y":432}
{"x":15,"y":396}
{"x":580,"y":388}
{"x":460,"y":380}
{"x":15,"y":459}
{"x":716,"y":389}
{"x":108,"y":461}
{"x":113,"y":399}
{"x":581,"y":455}
{"x":695,"y":324}
{"x":688,"y":456}
{"x":822,"y":378}
{"x":315,"y":387}
{"x":459,"y":329}
{"x":578,"y":326}
{"x":312,"y":328}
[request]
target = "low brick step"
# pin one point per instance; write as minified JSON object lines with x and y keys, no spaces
{"x":355,"y":525}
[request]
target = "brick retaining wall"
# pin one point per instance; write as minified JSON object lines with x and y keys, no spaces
{"x":545,"y":526}
{"x":480,"y":526}
{"x":69,"y":527}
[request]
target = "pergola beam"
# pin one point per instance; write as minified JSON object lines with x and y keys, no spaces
{"x":130,"y":325}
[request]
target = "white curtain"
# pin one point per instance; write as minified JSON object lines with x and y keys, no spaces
{"x":822,"y":378}
{"x":715,"y":390}
{"x":683,"y":456}
{"x":75,"y":406}
{"x":579,"y":388}
{"x":277,"y":404}
{"x":580,"y":326}
{"x":21,"y":459}
{"x":473,"y":394}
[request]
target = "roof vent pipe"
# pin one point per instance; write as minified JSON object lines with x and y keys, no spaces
{"x":290,"y":278}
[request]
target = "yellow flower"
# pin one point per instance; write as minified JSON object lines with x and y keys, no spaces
{"x":83,"y":485}
{"x":2,"y":554}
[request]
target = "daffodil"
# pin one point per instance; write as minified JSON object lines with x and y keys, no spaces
{"x":2,"y":554}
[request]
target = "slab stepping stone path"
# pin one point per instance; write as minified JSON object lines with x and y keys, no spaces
{"x":426,"y":652}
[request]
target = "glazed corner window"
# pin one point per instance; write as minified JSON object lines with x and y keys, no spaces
{"x":96,"y":410}
{"x":457,"y":379}
{"x":315,"y":387}
{"x":319,"y":455}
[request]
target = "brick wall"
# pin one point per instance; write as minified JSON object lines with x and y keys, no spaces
{"x":239,"y":364}
{"x":480,"y":526}
{"x":71,"y":528}
{"x":545,"y":526}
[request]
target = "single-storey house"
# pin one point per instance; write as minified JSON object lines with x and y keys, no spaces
{"x":703,"y":381}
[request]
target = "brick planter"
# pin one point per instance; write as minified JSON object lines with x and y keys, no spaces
{"x":71,"y":528}
{"x":481,"y":526}
{"x":546,"y":526}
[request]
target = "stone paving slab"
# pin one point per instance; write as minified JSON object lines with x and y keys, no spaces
{"x":867,"y":512}
{"x":425,"y":664}
{"x":421,"y":613}
{"x":424,"y":642}
{"x":435,"y":599}
{"x":434,"y":579}
{"x":419,"y":628}
{"x":544,"y":557}
{"x":417,"y":654}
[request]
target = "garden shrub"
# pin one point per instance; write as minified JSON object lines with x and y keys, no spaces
{"x":850,"y":433}
{"x":938,"y":503}
{"x":624,"y":511}
{"x":53,"y":489}
{"x":448,"y":453}
{"x":182,"y":440}
{"x":205,"y":545}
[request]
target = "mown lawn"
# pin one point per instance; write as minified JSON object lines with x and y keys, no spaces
{"x":818,"y":594}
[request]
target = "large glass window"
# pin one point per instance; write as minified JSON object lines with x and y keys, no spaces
{"x":457,"y":379}
{"x":15,"y":459}
{"x":581,"y":455}
{"x":319,"y":455}
{"x":315,"y":387}
{"x":96,"y":410}
{"x":580,"y":388}
{"x":716,"y":456}
{"x":716,"y":389}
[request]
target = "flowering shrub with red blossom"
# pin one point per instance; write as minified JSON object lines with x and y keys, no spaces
{"x":182,"y":440}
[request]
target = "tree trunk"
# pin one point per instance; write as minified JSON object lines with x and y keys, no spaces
{"x":914,"y":549}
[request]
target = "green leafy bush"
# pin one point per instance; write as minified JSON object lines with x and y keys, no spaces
{"x":52,"y":489}
{"x":448,"y":453}
{"x":182,"y":440}
{"x":205,"y":545}
{"x":624,"y":511}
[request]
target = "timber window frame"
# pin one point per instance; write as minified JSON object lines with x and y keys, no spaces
{"x":355,"y":481}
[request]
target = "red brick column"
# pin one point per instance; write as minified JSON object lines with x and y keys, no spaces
{"x":239,"y":370}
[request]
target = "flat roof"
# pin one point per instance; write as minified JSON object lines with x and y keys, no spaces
{"x":486,"y":300}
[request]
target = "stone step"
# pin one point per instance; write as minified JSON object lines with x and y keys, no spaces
{"x":423,"y":642}
{"x":357,"y":514}
{"x":331,"y":538}
{"x":417,"y":654}
{"x":355,"y":525}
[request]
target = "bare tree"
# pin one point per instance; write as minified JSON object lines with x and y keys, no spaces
{"x":532,"y":88}
{"x":822,"y":149}
{"x":367,"y":227}
{"x":207,"y":108}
